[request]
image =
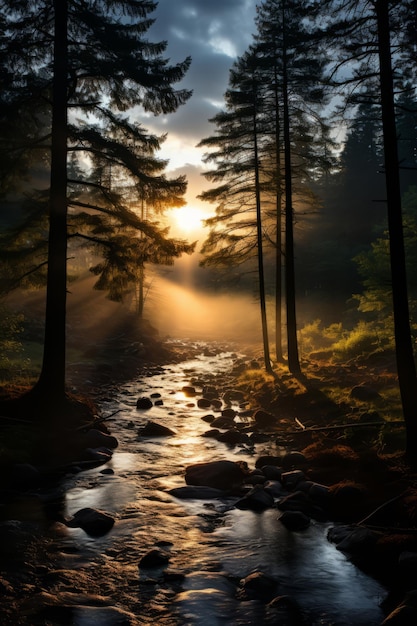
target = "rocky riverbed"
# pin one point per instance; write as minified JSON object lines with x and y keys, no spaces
{"x":190,"y":505}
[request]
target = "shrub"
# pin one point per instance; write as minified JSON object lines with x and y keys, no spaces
{"x":362,"y":340}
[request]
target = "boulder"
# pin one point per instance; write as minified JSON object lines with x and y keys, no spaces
{"x":223,"y":475}
{"x":203,"y":403}
{"x":233,"y":395}
{"x":213,"y":433}
{"x":232,"y":437}
{"x":297,"y":501}
{"x":257,"y":499}
{"x":223,"y":422}
{"x":94,"y":522}
{"x":255,"y":479}
{"x":154,"y":558}
{"x":153,"y":429}
{"x":364,"y":392}
{"x":294,"y":459}
{"x":295,"y":520}
{"x":96,"y":439}
{"x":353,"y":540}
{"x":272,"y":472}
{"x":144,"y":403}
{"x":274,"y":488}
{"x":209,"y":391}
{"x":318,"y":493}
{"x":268,"y":460}
{"x":290,"y":480}
{"x":196,"y":492}
{"x":258,"y":586}
{"x":97,"y":455}
{"x":264,"y":419}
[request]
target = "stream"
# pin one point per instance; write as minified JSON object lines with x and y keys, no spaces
{"x":211,"y":544}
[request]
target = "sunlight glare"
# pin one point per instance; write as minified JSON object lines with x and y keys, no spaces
{"x":188,"y":218}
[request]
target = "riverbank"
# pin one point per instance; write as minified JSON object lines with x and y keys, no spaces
{"x":345,"y":460}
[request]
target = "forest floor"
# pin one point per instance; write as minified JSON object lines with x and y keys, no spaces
{"x":343,"y":417}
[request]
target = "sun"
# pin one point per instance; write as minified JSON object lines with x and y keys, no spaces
{"x":188,"y":218}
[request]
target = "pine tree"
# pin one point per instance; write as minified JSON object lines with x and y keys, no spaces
{"x":236,"y":229}
{"x":372,"y":36}
{"x":91,"y":63}
{"x":293,"y":91}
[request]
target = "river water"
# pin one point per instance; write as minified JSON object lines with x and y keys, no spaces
{"x":211,"y":544}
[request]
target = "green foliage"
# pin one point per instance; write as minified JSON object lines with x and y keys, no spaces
{"x":341,"y":344}
{"x":374,"y":268}
{"x":315,"y":337}
{"x":361,"y":341}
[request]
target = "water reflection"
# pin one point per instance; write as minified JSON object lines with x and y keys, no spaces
{"x":211,"y":541}
{"x":305,"y":564}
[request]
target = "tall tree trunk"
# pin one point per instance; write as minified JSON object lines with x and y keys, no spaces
{"x":141,"y":278}
{"x":140,"y":304}
{"x":278,"y":208}
{"x":403,"y":344}
{"x":261,"y":275}
{"x":52,"y":378}
{"x":293,"y":358}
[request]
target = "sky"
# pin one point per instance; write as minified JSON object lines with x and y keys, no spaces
{"x":213,"y":33}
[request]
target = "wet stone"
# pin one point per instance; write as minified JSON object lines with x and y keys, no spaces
{"x":294,"y":459}
{"x":263,"y":419}
{"x":213,"y":433}
{"x":94,"y":522}
{"x":268,"y":460}
{"x":259,"y":437}
{"x":232,"y":437}
{"x":296,"y":501}
{"x":203,"y":403}
{"x":295,"y":520}
{"x":291,"y":479}
{"x":144,"y":403}
{"x":257,"y":499}
{"x":271,"y":472}
{"x":258,"y":586}
{"x":233,"y":395}
{"x":286,"y":611}
{"x":219,"y":474}
{"x":223,"y":422}
{"x":153,"y":429}
{"x":197,"y":493}
{"x":154,"y":558}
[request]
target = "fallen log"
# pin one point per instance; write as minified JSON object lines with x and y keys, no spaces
{"x":309,"y":429}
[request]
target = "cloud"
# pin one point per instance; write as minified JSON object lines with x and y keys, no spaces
{"x":213,"y":34}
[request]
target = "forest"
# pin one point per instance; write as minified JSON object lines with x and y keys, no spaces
{"x":310,"y":177}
